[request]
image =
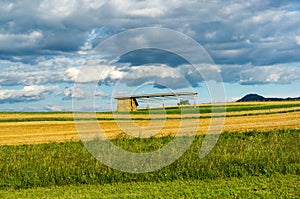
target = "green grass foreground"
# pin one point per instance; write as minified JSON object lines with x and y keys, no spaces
{"x":242,"y":158}
{"x":278,"y":186}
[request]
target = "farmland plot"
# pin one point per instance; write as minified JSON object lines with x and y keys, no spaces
{"x":14,"y":132}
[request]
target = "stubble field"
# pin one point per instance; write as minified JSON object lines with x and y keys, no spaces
{"x":33,"y":128}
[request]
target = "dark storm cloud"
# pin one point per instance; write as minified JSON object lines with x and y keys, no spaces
{"x":233,"y":32}
{"x":152,"y":56}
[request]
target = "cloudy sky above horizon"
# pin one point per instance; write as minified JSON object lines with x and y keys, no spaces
{"x":255,"y":47}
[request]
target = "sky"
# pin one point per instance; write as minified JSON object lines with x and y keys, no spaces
{"x":48,"y":59}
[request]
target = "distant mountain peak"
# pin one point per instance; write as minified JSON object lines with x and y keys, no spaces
{"x":252,"y":97}
{"x":259,"y":98}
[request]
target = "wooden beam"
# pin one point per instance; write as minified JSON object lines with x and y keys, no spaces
{"x":155,"y":95}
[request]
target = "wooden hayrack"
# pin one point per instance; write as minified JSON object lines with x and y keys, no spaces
{"x":129,"y":103}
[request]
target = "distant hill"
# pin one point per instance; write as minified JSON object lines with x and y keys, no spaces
{"x":259,"y":98}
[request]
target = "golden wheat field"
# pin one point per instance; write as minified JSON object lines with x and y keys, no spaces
{"x":33,"y":132}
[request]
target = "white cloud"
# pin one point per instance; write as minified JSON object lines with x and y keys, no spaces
{"x":26,"y":94}
{"x":20,"y":41}
{"x":57,"y":8}
{"x":277,"y":74}
{"x":112,"y":73}
{"x":62,"y":9}
{"x":11,"y":78}
{"x":210,"y":35}
{"x":297,"y":38}
{"x":67,"y":70}
{"x":56,"y":108}
{"x":77,"y":92}
{"x":162,"y":75}
{"x":17,"y":73}
{"x":88,"y":74}
{"x":154,"y":8}
{"x":47,"y":70}
{"x":71,"y":74}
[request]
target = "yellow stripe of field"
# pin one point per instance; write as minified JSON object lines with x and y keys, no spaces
{"x":263,"y":103}
{"x":6,"y":116}
{"x":13,"y":133}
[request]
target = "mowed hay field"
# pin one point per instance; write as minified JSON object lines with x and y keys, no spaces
{"x":34,"y":128}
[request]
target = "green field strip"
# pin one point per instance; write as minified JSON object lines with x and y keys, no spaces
{"x":215,"y":109}
{"x":202,"y":109}
{"x":142,"y":119}
{"x":236,"y":155}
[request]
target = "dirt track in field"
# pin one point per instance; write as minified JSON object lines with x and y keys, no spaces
{"x":14,"y":133}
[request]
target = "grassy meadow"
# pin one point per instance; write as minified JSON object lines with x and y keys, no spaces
{"x":277,"y":186}
{"x":257,"y":155}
